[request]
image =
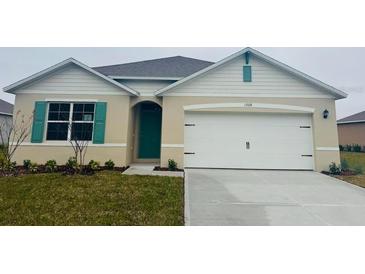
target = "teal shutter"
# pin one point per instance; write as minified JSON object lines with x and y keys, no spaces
{"x":99,"y":123}
{"x":247,"y":74}
{"x":38,"y":122}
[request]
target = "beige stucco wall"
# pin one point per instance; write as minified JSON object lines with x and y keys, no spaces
{"x":116,"y":131}
{"x":351,"y":134}
{"x":324,"y":130}
{"x":120,"y":127}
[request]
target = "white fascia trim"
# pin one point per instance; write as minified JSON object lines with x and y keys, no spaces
{"x":172,"y":145}
{"x":7,"y":114}
{"x":67,"y":144}
{"x":248,"y":95}
{"x":338,"y":93}
{"x":11,"y":88}
{"x":327,"y":148}
{"x":73,"y":93}
{"x":351,"y":122}
{"x":144,"y":78}
{"x":248,"y":106}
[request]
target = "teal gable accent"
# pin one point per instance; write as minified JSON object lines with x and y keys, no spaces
{"x":99,"y":123}
{"x":247,"y":57}
{"x":247,"y":74}
{"x":38,"y":122}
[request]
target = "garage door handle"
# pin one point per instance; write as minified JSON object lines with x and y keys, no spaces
{"x":307,"y":155}
{"x":189,"y":153}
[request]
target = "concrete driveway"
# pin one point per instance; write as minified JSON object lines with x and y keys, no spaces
{"x":253,"y":197}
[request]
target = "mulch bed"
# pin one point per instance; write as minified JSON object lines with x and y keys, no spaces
{"x":342,"y":173}
{"x":21,"y":170}
{"x":158,"y":168}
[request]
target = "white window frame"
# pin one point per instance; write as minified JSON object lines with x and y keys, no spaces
{"x":69,"y":121}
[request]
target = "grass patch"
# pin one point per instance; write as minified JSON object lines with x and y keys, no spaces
{"x":106,"y":198}
{"x":354,"y":159}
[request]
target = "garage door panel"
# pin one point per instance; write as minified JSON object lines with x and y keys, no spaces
{"x":276,"y":141}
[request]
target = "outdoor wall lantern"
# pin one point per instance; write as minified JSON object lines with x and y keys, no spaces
{"x":325,"y":114}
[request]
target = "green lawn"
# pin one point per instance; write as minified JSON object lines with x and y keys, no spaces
{"x":354,"y":159}
{"x":106,"y":198}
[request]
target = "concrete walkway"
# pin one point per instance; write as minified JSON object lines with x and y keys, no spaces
{"x":147,"y":169}
{"x":252,"y":197}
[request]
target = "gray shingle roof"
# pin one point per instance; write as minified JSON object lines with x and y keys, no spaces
{"x":353,"y":118}
{"x":6,"y":107}
{"x":176,"y":66}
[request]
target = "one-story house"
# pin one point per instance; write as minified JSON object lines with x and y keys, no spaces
{"x":351,"y":129}
{"x":245,"y":111}
{"x":6,"y":120}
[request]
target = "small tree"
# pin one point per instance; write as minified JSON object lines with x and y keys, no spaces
{"x":13,"y":133}
{"x":79,"y":145}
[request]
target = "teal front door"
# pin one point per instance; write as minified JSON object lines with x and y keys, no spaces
{"x":149,"y":144}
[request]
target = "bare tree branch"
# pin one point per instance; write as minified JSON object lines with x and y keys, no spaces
{"x":79,"y":145}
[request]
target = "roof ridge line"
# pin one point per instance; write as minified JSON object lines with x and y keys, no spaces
{"x":142,"y":61}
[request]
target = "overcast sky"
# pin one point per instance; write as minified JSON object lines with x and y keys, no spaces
{"x":343,"y":68}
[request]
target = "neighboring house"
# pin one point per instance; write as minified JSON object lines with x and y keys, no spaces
{"x":6,"y":119}
{"x":245,"y":111}
{"x":351,"y":129}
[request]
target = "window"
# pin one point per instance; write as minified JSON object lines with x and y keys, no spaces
{"x":79,"y":115}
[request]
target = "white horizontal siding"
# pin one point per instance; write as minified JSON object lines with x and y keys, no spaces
{"x":5,"y":123}
{"x":267,"y":80}
{"x":146,"y":87}
{"x":72,"y":79}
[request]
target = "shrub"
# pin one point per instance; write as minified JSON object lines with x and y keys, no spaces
{"x":51,"y":166}
{"x":72,"y":165}
{"x":358,"y":169}
{"x":7,"y":166}
{"x":172,"y":165}
{"x":26,"y":164}
{"x":12,"y":166}
{"x":94,"y":165}
{"x":109,"y":164}
{"x":334,"y":169}
{"x":348,"y":148}
{"x":344,"y":165}
{"x":33,"y":167}
{"x":356,"y":148}
{"x":341,"y":147}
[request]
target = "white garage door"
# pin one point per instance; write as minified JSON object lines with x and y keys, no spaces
{"x":248,"y":140}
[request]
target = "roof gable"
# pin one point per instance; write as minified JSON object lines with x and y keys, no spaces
{"x":355,"y":118}
{"x":6,"y":108}
{"x":333,"y":91}
{"x":49,"y":71}
{"x":170,"y":68}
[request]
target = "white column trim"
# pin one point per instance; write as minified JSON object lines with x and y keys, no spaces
{"x":327,"y":148}
{"x":171,"y":145}
{"x":67,"y":144}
